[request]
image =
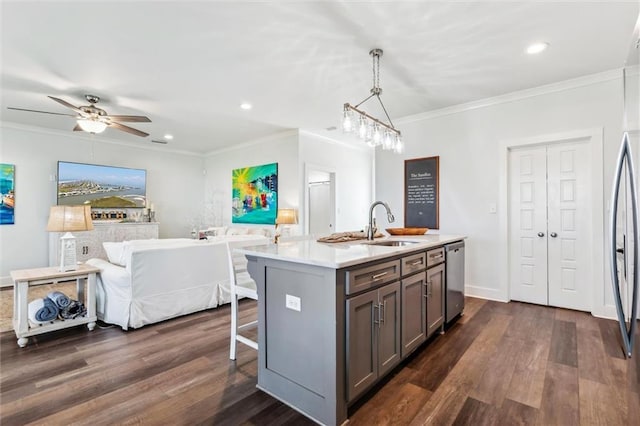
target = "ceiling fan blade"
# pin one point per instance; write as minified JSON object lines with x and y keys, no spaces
{"x":131,"y":118}
{"x":128,"y":129}
{"x":77,"y":128}
{"x":42,"y":112}
{"x":67,"y":104}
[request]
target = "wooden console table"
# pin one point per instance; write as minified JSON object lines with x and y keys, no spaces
{"x":85,"y":277}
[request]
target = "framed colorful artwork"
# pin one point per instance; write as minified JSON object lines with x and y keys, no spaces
{"x":255,"y":194}
{"x":7,"y":194}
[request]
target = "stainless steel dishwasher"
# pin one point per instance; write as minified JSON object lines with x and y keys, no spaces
{"x":454,"y":258}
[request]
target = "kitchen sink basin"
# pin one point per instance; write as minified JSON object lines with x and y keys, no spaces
{"x":391,"y":243}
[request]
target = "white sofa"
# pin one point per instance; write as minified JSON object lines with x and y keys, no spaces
{"x":147,"y":281}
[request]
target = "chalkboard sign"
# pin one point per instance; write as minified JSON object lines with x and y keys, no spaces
{"x":421,"y":193}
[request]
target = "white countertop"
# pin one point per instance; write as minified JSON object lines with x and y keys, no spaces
{"x":341,"y":255}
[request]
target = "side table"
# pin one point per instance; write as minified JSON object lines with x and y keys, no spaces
{"x":85,"y":277}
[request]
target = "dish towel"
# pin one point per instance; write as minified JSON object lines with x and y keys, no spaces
{"x":73,"y":310}
{"x":341,"y":237}
{"x":41,"y":311}
{"x":59,"y":298}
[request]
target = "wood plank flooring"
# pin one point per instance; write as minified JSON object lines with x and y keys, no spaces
{"x":500,"y":364}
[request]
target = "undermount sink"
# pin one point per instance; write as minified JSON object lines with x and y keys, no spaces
{"x":391,"y":243}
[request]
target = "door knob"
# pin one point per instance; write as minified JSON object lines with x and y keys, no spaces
{"x":553,"y":235}
{"x":540,"y":234}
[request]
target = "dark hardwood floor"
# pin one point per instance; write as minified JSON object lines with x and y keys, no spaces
{"x":500,"y":364}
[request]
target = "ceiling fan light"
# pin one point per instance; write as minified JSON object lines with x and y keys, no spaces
{"x":91,"y":126}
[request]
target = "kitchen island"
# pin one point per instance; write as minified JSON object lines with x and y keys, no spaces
{"x":333,"y":319}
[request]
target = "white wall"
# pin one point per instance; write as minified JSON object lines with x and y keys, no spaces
{"x":468,"y":141}
{"x":281,"y":149}
{"x":293,"y":151}
{"x":174,"y":184}
{"x":353,"y":168}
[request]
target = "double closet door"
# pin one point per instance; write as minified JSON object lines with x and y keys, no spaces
{"x":550,"y":236}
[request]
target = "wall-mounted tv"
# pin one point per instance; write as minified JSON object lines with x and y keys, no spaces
{"x":101,"y":186}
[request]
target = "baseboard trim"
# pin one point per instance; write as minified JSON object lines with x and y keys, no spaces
{"x":6,"y":281}
{"x":606,"y":312}
{"x":484,"y":293}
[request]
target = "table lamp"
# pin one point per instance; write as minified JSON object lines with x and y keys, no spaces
{"x":285,"y":217}
{"x":67,"y":219}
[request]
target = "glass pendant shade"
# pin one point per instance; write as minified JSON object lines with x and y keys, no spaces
{"x":91,"y":126}
{"x":362,"y":128}
{"x":347,"y":121}
{"x":387,"y":142}
{"x":377,"y":135}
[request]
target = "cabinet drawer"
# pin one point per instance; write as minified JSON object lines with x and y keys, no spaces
{"x":413,"y":263}
{"x":364,"y":278}
{"x":435,"y":256}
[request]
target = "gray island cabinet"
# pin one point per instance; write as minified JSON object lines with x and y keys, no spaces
{"x":333,"y":319}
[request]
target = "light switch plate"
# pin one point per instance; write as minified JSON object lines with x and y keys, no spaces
{"x":493,"y":208}
{"x":292,"y":302}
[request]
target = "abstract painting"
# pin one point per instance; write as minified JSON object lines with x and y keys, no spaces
{"x":7,"y":193}
{"x":255,"y":194}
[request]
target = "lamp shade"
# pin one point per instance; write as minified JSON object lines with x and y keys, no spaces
{"x":287,"y":217}
{"x":69,"y":219}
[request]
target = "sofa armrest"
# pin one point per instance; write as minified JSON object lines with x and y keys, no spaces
{"x":110,"y":274}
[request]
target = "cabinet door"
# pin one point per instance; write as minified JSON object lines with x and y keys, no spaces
{"x":87,"y":245}
{"x":435,"y":298}
{"x":389,"y":327}
{"x":362,"y":354}
{"x":414,"y":312}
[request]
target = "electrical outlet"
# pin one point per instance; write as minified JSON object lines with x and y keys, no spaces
{"x":292,"y":302}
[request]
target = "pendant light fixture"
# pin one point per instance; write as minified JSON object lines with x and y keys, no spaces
{"x":368,"y":128}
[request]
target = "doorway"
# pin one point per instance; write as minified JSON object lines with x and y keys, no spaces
{"x":320,"y":196}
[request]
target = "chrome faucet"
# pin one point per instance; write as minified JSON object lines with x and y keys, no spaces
{"x":370,"y":230}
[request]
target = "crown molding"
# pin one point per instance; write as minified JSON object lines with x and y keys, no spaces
{"x":102,"y":139}
{"x":516,"y":96}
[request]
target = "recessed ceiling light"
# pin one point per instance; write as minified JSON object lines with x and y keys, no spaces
{"x":168,"y":137}
{"x":246,"y":106}
{"x":536,"y":48}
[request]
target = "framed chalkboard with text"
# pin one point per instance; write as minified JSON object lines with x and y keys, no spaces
{"x":421,"y":193}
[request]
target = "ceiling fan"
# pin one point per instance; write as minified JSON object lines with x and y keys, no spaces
{"x":92,"y":119}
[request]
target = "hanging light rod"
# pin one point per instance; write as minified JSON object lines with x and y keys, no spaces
{"x":372,"y":130}
{"x":348,"y":106}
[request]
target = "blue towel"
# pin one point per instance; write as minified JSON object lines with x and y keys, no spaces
{"x":42,"y":310}
{"x":59,"y":298}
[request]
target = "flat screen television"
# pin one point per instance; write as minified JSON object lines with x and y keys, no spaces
{"x":101,"y":186}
